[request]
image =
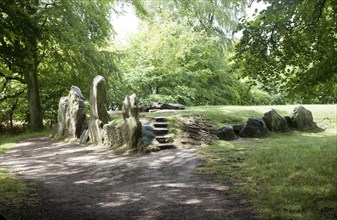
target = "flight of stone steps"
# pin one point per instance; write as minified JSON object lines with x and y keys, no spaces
{"x":161,"y":132}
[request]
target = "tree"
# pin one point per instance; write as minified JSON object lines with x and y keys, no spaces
{"x":292,"y":46}
{"x":56,"y":43}
{"x":218,"y":18}
{"x":171,"y":62}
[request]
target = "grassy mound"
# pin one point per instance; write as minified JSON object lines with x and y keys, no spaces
{"x":286,"y":176}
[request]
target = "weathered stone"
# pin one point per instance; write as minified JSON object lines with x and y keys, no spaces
{"x":128,"y":133}
{"x":61,"y":116}
{"x":115,"y":135}
{"x":255,"y":128}
{"x":147,"y":133}
{"x":237,"y":128}
{"x":84,"y":137}
{"x":288,"y":120}
{"x":98,"y":109}
{"x":225,"y":133}
{"x":75,"y":114}
{"x":155,"y":105}
{"x":131,"y":120}
{"x":158,"y":105}
{"x":54,"y":130}
{"x":175,"y":106}
{"x":275,"y":122}
{"x":301,"y":119}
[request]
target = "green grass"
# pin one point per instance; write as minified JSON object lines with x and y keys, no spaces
{"x":230,"y":115}
{"x":286,"y":176}
{"x":8,"y":141}
{"x":14,"y":192}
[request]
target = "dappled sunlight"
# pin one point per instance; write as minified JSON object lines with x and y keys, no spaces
{"x":23,"y":144}
{"x":192,"y":201}
{"x":140,"y":185}
{"x":317,"y":134}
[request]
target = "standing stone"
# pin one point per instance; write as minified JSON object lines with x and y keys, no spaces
{"x":275,"y":122}
{"x":131,"y":120}
{"x":302,"y":119}
{"x":61,"y":116}
{"x":114,"y":135}
{"x":84,"y":137}
{"x":288,"y":120}
{"x":237,"y":128}
{"x":75,"y":114}
{"x":225,"y":133}
{"x":98,"y":109}
{"x":255,"y":128}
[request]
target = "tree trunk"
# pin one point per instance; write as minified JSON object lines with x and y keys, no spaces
{"x":11,"y":113}
{"x":35,"y":113}
{"x":34,"y":103}
{"x":31,"y":78}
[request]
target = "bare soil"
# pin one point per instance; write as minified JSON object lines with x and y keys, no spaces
{"x":78,"y":182}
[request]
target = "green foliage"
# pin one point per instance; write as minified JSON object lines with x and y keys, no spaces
{"x":286,"y":176}
{"x":218,"y":18}
{"x":58,"y":41}
{"x":172,"y":62}
{"x":260,"y":97}
{"x":291,"y":46}
{"x":47,"y":46}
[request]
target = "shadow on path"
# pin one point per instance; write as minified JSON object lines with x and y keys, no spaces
{"x":77,"y":182}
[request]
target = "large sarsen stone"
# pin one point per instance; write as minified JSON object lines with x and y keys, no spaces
{"x":275,"y":122}
{"x":301,"y":119}
{"x":255,"y":128}
{"x":98,"y":109}
{"x":131,"y":120}
{"x":75,"y":114}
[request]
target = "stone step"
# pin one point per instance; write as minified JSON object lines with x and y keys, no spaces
{"x":160,"y":125}
{"x":165,"y":146}
{"x":160,"y":131}
{"x":164,"y":139}
{"x":160,"y":119}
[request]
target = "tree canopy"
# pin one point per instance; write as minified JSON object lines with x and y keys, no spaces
{"x":218,"y":18}
{"x":180,"y":53}
{"x":46,"y":46}
{"x":292,"y":46}
{"x":171,"y":62}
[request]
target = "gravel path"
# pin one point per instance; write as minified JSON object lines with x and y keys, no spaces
{"x":77,"y":182}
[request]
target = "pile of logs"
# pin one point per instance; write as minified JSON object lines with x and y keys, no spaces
{"x":197,"y":129}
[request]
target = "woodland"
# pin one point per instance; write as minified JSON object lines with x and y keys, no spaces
{"x":226,"y":67}
{"x":184,"y":52}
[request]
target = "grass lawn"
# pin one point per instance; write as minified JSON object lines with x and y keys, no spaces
{"x":286,"y":176}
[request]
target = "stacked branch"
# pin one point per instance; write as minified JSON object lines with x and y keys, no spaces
{"x":197,"y":129}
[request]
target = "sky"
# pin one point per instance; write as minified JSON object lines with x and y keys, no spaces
{"x":126,"y":25}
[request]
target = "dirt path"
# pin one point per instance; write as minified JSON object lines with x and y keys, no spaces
{"x":77,"y":182}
